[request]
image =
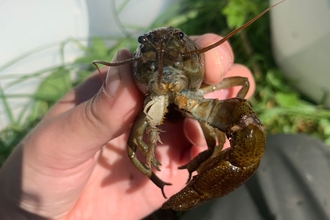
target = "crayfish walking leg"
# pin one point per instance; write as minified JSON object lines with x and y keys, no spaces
{"x":135,"y":142}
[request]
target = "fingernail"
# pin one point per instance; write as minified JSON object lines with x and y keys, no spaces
{"x":113,"y":79}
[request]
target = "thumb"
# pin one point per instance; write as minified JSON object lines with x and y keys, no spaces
{"x":78,"y":132}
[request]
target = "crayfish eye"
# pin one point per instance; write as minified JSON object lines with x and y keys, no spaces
{"x":181,"y":35}
{"x":142,"y":39}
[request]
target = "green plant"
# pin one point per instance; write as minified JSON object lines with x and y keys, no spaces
{"x":55,"y":82}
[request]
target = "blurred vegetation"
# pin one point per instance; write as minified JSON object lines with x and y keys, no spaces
{"x":280,"y":107}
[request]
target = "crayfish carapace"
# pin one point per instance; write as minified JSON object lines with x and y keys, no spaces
{"x":168,"y":69}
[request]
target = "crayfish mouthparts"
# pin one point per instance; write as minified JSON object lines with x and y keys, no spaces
{"x":168,"y":68}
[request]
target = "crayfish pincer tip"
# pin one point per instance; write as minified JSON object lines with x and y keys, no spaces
{"x":162,"y":189}
{"x":163,"y":193}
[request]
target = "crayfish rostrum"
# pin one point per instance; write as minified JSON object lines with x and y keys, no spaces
{"x":168,"y":69}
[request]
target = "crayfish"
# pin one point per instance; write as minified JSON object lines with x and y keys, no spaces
{"x":168,"y":69}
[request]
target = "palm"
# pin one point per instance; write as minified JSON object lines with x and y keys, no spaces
{"x":115,"y":181}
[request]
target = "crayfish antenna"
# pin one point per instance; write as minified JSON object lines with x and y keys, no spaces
{"x":98,"y":69}
{"x":95,"y":62}
{"x":203,"y":50}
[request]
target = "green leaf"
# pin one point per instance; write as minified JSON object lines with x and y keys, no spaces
{"x":99,"y":47}
{"x":286,"y":99}
{"x":236,"y":12}
{"x":6,"y":106}
{"x":56,"y":85}
{"x":325,"y":123}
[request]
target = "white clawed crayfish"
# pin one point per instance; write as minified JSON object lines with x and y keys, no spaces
{"x":168,"y":69}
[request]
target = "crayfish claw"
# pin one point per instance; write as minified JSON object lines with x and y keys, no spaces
{"x":195,"y":164}
{"x":183,"y":167}
{"x":162,"y":189}
{"x":189,"y":171}
{"x":160,"y":183}
{"x":189,"y":178}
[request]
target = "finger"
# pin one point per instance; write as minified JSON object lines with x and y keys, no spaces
{"x":218,"y":60}
{"x":81,"y":93}
{"x":236,"y":70}
{"x":81,"y":131}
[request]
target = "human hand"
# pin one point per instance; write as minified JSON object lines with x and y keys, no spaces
{"x":74,"y":164}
